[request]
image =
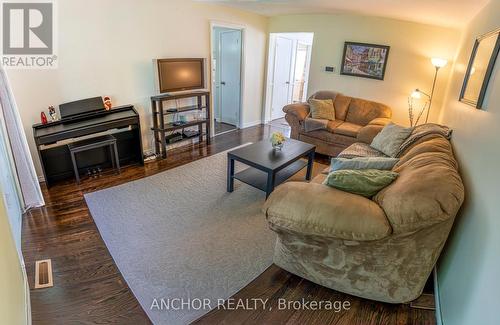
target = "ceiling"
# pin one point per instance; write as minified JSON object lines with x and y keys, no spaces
{"x":449,"y":13}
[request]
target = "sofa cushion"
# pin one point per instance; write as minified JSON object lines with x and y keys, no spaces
{"x":349,"y":129}
{"x":341,"y":106}
{"x":322,"y":109}
{"x":360,"y":149}
{"x":363,"y":111}
{"x":330,"y":137}
{"x":340,"y":102}
{"x":325,"y":147}
{"x":428,"y":190}
{"x":368,"y":133}
{"x":325,"y":94}
{"x":428,"y":143}
{"x":365,"y":182}
{"x":389,"y":140}
{"x":383,"y":121}
{"x":332,"y":125}
{"x":315,"y":209}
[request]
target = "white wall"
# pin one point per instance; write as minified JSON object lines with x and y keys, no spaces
{"x":412,"y":46}
{"x":468,"y":273}
{"x":106,"y":47}
{"x":13,"y":299}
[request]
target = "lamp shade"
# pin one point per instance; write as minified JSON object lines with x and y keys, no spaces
{"x":416,"y":94}
{"x":438,"y":62}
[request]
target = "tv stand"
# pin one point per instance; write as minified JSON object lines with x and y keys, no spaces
{"x":161,"y":129}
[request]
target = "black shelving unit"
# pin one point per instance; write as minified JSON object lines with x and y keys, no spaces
{"x":161,"y":129}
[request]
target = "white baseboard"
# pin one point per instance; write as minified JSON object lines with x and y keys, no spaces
{"x":439,"y":319}
{"x":249,"y":124}
{"x":277,"y":117}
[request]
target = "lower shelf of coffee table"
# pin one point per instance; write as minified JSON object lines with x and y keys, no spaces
{"x":258,"y":178}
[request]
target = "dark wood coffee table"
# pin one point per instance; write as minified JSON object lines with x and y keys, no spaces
{"x":268,"y":167}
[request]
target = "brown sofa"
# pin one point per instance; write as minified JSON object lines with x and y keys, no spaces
{"x":382,"y":248}
{"x":357,"y":120}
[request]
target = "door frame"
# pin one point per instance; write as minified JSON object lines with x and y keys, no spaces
{"x":222,"y":91}
{"x":271,"y":67}
{"x":307,"y":68}
{"x":291,"y":72}
{"x":242,"y":28}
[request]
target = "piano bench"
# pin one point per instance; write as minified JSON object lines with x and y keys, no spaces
{"x":94,"y":143}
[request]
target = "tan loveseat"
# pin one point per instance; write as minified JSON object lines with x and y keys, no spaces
{"x":382,"y":248}
{"x":356,"y":120}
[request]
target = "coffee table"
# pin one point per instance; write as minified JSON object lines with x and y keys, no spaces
{"x":269,"y":167}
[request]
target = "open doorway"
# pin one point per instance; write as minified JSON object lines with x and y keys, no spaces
{"x":289,"y":61}
{"x":226,"y":77}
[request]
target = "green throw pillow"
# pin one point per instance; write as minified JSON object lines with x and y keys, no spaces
{"x":390,"y":139}
{"x":322,"y":109}
{"x":365,"y":182}
{"x":383,"y":163}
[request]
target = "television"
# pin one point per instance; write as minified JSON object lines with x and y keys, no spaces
{"x":179,"y":74}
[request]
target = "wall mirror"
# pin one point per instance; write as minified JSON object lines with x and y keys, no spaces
{"x":481,"y":64}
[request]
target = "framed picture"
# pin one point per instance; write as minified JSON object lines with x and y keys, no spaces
{"x":364,"y":60}
{"x":481,"y":64}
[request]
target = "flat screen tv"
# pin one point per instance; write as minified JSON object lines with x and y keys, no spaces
{"x":179,"y":74}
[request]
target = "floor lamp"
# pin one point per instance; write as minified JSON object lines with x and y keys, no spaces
{"x":438,"y":63}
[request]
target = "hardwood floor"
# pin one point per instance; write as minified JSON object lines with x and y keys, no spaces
{"x":275,"y":284}
{"x":220,"y":127}
{"x":89,"y":289}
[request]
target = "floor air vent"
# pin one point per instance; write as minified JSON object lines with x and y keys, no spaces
{"x":43,"y":274}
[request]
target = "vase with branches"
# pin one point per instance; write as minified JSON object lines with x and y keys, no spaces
{"x":414,"y":114}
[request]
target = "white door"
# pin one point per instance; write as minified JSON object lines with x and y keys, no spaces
{"x":281,"y":76}
{"x":230,"y":76}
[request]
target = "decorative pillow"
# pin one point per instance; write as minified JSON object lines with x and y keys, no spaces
{"x":382,"y":163}
{"x":390,"y":139}
{"x":365,"y":182}
{"x":322,"y":109}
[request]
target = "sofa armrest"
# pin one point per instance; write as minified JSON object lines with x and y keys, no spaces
{"x":369,"y":131}
{"x":383,"y":121}
{"x":318,"y":210}
{"x":299,"y":110}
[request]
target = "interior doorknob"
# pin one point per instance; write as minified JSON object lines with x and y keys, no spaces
{"x":223,"y":83}
{"x":288,"y":82}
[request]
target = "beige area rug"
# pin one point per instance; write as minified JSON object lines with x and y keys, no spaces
{"x":180,"y":235}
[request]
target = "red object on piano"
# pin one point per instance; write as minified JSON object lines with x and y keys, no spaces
{"x":43,"y":117}
{"x":107,"y":103}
